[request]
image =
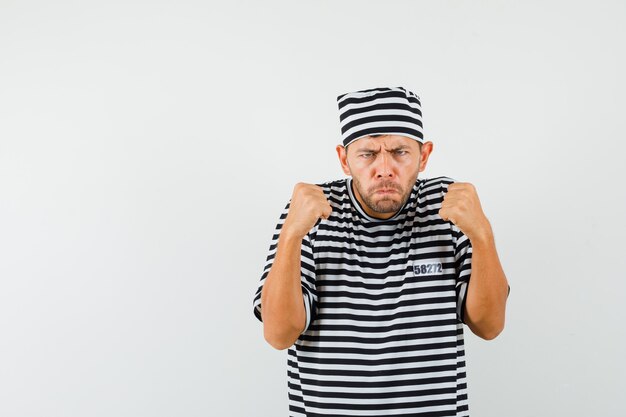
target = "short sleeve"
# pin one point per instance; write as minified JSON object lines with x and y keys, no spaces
{"x":307,"y":273}
{"x":463,"y":266}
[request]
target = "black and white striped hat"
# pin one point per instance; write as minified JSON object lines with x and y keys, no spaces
{"x":384,"y":110}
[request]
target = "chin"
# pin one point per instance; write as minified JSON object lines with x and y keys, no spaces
{"x":388,"y":204}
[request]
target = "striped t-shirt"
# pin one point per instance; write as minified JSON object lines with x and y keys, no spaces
{"x":384,"y":306}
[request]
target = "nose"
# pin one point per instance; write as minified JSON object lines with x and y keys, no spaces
{"x":383,"y":169}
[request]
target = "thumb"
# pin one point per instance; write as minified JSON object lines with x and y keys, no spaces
{"x":443,"y":213}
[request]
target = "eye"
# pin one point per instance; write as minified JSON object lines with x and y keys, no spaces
{"x":401,"y":152}
{"x":366,"y":154}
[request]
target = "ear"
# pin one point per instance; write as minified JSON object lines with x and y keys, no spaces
{"x":427,"y":148}
{"x":342,"y":153}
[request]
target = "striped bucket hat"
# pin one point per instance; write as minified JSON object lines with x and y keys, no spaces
{"x":385,"y":110}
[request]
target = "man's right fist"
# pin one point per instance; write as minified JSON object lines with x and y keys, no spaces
{"x":308,"y":204}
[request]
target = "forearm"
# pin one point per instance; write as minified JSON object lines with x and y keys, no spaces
{"x":282,"y":304}
{"x":487,"y":290}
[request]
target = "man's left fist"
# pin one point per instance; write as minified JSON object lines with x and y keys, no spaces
{"x":462,"y":207}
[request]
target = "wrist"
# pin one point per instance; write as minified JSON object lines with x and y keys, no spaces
{"x":482,"y":236}
{"x":288,"y":234}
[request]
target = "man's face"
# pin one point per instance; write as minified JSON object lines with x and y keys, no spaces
{"x":383,"y":169}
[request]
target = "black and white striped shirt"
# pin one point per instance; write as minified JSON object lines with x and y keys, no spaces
{"x":384,"y":304}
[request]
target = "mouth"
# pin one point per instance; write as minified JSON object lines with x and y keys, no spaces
{"x":386,"y":191}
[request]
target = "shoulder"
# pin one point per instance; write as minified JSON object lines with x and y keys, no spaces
{"x":329,"y":188}
{"x":432,"y":192}
{"x":334,"y":190}
{"x":437,"y":184}
{"x":332,"y":184}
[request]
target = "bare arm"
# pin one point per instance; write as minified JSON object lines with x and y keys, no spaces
{"x":281,"y":297}
{"x":487,"y":290}
{"x":283,"y":311}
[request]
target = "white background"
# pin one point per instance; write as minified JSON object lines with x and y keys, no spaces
{"x":147,"y":149}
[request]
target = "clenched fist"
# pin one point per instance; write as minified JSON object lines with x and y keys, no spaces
{"x":462,"y":207}
{"x":308,"y":204}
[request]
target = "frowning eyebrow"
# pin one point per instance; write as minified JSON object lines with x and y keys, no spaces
{"x":366,"y":149}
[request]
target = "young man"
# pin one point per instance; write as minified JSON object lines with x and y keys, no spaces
{"x":370,"y":278}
